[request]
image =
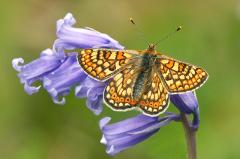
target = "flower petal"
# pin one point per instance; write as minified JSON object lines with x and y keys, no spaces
{"x":95,"y":99}
{"x":93,"y":90}
{"x":71,"y":38}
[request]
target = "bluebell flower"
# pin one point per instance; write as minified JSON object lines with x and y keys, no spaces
{"x":127,"y":133}
{"x":36,"y":69}
{"x":58,"y":72}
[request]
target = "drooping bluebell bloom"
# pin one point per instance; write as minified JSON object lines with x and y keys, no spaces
{"x":36,"y":69}
{"x":59,"y":73}
{"x":125,"y":134}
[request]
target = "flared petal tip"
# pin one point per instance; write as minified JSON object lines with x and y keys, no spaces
{"x":104,"y":121}
{"x":111,"y":151}
{"x":31,"y":89}
{"x":97,"y":109}
{"x":56,"y":100}
{"x":103,"y":140}
{"x":16,"y":62}
{"x":55,"y":96}
{"x":53,"y":92}
{"x":67,"y":20}
{"x":47,"y":52}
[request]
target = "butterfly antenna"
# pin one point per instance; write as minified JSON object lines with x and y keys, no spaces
{"x":179,"y":28}
{"x":139,"y":30}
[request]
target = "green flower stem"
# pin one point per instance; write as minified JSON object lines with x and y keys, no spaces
{"x":190,"y":135}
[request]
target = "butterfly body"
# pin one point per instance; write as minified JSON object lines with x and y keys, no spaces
{"x":140,"y":80}
{"x":145,"y":65}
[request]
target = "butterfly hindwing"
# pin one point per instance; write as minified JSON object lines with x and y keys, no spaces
{"x":101,"y":64}
{"x":179,"y":76}
{"x":118,"y":93}
{"x":154,"y":99}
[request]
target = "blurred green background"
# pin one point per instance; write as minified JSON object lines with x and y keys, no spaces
{"x":33,"y":127}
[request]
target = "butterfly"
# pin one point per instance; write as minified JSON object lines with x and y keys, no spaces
{"x":140,"y":80}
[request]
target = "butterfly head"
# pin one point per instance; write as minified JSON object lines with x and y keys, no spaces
{"x":151,"y":47}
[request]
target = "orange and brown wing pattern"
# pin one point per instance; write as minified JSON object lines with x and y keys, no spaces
{"x":101,"y":64}
{"x":179,"y":76}
{"x":154,"y":99}
{"x":118,"y":93}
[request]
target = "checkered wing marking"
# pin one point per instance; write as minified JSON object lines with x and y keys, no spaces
{"x":102,"y":64}
{"x":118,"y":93}
{"x":154,"y":99}
{"x":179,"y":76}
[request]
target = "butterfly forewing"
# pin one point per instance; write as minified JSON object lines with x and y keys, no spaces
{"x":101,"y":64}
{"x":154,"y":99}
{"x":179,"y":76}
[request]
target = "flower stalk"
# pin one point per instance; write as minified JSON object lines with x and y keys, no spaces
{"x":190,"y":135}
